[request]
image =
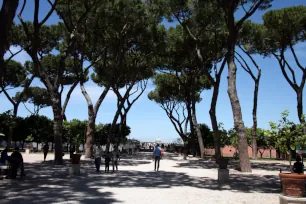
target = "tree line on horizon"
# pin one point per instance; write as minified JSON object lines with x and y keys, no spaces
{"x":121,"y":44}
{"x":39,"y":129}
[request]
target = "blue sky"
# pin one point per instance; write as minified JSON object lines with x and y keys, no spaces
{"x":148,"y":121}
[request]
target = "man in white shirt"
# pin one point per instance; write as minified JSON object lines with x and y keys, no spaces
{"x":115,"y":158}
{"x":156,"y":156}
{"x":98,"y":154}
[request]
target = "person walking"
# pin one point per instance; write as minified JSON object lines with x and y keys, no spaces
{"x":98,"y":154}
{"x":45,"y":149}
{"x":107,"y":161}
{"x":156,"y":157}
{"x":115,"y":158}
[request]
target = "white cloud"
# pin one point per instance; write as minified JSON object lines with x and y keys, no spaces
{"x":21,"y":57}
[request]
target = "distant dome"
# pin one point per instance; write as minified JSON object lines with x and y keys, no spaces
{"x":158,"y":140}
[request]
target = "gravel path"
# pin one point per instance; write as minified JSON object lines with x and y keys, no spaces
{"x":178,"y":181}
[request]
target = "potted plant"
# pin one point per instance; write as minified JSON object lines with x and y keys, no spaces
{"x":293,"y":184}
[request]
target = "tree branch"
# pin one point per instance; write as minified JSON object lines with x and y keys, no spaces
{"x":68,"y":98}
{"x":249,"y":13}
{"x":22,"y":8}
{"x":296,"y":58}
{"x":246,"y":67}
{"x":282,"y":66}
{"x":100,"y":99}
{"x":12,"y":55}
{"x":291,"y":71}
{"x":8,"y":96}
{"x":28,"y":109}
{"x":48,"y":14}
{"x":250,"y":57}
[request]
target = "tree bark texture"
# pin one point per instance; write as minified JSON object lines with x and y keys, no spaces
{"x":236,"y":109}
{"x":254,"y":113}
{"x":214,"y":122}
{"x":90,"y":124}
{"x":299,"y":95}
{"x":68,"y":98}
{"x":113,"y":126}
{"x":57,"y":127}
{"x":92,"y":114}
{"x":197,"y":130}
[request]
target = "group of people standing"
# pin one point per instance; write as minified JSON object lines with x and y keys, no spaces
{"x":113,"y":156}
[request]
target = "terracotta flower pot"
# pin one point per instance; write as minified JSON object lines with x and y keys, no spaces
{"x":293,"y":184}
{"x":223,"y":162}
{"x":75,"y":158}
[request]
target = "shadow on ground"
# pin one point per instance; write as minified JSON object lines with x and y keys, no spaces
{"x":202,"y":164}
{"x":46,"y":183}
{"x":149,"y":156}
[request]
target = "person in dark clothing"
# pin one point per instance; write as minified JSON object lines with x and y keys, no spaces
{"x":4,"y":156}
{"x":298,"y":166}
{"x":45,"y":149}
{"x":107,"y":161}
{"x":16,"y":161}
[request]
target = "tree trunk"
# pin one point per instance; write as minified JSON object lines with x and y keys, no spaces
{"x":214,"y":122}
{"x":236,"y":108}
{"x":90,"y":125}
{"x":197,"y":130}
{"x":57,"y":128}
{"x":7,"y":15}
{"x":11,"y":134}
{"x":185,"y":154}
{"x":110,"y":135}
{"x":67,"y":99}
{"x":299,"y":95}
{"x":254,"y":128}
{"x":92,"y":114}
{"x":261,"y":153}
{"x":90,"y":134}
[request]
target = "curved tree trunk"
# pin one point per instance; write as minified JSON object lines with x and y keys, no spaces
{"x":67,"y":99}
{"x":197,"y":130}
{"x":90,"y":131}
{"x":57,"y":128}
{"x":299,"y":95}
{"x":113,"y":125}
{"x":214,"y":122}
{"x":254,"y":128}
{"x":12,"y":127}
{"x":92,"y":114}
{"x":90,"y":125}
{"x":236,"y":108}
